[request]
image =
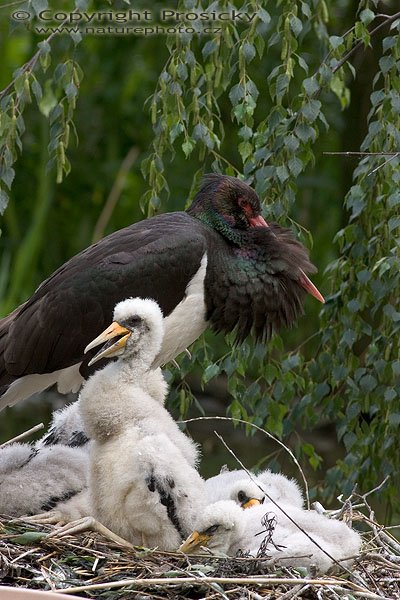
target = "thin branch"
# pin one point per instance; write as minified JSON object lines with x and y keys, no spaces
{"x":383,"y":164}
{"x":272,"y":437}
{"x":362,"y":153}
{"x":12,"y":4}
{"x":164,"y":581}
{"x":354,"y":49}
{"x":376,"y":489}
{"x":23,"y":435}
{"x":114,"y":194}
{"x":26,"y":68}
{"x":29,"y":66}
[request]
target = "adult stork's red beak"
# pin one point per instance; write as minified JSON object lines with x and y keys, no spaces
{"x":258,"y":221}
{"x":308,"y":285}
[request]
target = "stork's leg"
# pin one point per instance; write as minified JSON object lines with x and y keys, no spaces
{"x":89,"y":524}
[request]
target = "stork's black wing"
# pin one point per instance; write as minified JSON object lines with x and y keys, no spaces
{"x":256,"y":286}
{"x":155,"y":258}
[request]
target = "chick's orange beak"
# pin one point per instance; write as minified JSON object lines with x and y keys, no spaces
{"x":251,"y":502}
{"x":194,"y":542}
{"x":115,"y":330}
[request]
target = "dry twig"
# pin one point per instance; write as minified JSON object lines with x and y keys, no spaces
{"x":23,"y":435}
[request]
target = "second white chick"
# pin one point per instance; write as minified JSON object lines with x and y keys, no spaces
{"x":247,"y":491}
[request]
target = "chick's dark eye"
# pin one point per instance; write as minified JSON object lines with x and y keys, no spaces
{"x":242,"y":497}
{"x":211,"y":529}
{"x":133,"y":321}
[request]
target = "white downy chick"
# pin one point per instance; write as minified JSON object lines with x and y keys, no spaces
{"x":143,"y":481}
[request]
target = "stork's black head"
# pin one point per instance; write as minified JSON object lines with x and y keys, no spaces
{"x":229,"y":198}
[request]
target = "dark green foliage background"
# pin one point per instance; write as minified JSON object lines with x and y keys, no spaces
{"x":263,"y":101}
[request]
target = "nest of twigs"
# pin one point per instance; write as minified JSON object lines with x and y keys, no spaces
{"x":91,"y":567}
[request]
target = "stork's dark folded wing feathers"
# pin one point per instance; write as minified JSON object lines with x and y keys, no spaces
{"x":258,"y":286}
{"x":51,"y":330}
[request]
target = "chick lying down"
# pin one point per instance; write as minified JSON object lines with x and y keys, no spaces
{"x":297,"y":538}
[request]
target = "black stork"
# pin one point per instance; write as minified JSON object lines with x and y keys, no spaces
{"x":218,"y":264}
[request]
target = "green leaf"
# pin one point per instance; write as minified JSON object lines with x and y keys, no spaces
{"x":282,"y":173}
{"x":282,"y":84}
{"x":249,"y":52}
{"x":363,"y":276}
{"x":391,"y":312}
{"x":302,"y":63}
{"x":29,"y":537}
{"x":175,"y":132}
{"x":311,"y":85}
{"x":3,"y":201}
{"x":305,"y":132}
{"x":388,"y":43}
{"x":7,"y":175}
{"x":76,"y":37}
{"x":390,"y":394}
{"x":367,"y":16}
{"x":182,"y":71}
{"x":291,"y":142}
{"x":240,"y":112}
{"x":263,"y":15}
{"x":349,"y":337}
{"x":245,"y":132}
{"x":353,"y":306}
{"x":396,"y":368}
{"x":386,"y":63}
{"x":270,"y":372}
{"x":311,"y":110}
{"x":39,"y":5}
{"x":245,"y":150}
{"x":37,"y":90}
{"x":295,"y":166}
{"x":393,"y":223}
{"x":394,"y":418}
{"x":394,"y":199}
{"x":209,"y":47}
{"x":48,"y":101}
{"x":296,"y":25}
{"x":236,"y":93}
{"x":44,"y":47}
{"x":368,"y":383}
{"x":335,"y":41}
{"x":71,"y":91}
{"x":349,"y":440}
{"x":306,"y":10}
{"x":187,"y":147}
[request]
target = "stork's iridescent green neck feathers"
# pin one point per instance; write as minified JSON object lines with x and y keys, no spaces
{"x":217,"y":222}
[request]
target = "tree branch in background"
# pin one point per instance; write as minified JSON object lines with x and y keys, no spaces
{"x":362,"y":153}
{"x":388,"y":19}
{"x":31,"y":63}
{"x":114,"y":194}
